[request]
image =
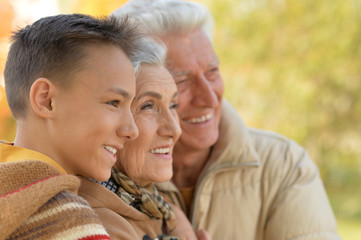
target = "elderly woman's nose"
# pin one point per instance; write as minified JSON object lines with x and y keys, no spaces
{"x":170,"y":126}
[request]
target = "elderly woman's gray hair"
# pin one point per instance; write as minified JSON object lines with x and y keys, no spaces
{"x":164,"y":17}
{"x":153,"y":53}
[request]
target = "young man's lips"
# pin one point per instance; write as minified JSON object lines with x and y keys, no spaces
{"x":110,"y":149}
{"x":110,"y":152}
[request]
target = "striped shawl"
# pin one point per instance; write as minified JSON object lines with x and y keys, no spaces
{"x":37,"y":202}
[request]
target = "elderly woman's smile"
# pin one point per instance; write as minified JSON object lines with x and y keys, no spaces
{"x":163,"y":152}
{"x":149,"y":157}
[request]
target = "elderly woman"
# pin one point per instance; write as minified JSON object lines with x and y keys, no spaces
{"x":129,"y":204}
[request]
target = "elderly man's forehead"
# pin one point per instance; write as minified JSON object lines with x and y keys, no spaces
{"x":212,"y":64}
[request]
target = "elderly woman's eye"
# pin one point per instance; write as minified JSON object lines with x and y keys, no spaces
{"x":147,"y":106}
{"x":114,"y":103}
{"x":174,"y":106}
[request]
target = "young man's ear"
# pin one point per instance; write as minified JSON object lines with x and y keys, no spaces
{"x":41,"y":97}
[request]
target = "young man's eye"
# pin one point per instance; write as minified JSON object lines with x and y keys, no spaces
{"x":114,"y":103}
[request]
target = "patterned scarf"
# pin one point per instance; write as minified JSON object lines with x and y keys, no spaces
{"x":145,"y":199}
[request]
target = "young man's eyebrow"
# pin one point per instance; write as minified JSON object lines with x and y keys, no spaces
{"x":119,"y":91}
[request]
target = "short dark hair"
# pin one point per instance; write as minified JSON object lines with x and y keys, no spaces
{"x":53,"y":47}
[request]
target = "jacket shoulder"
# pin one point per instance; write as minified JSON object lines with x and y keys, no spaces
{"x":283,"y":161}
{"x":272,"y":146}
{"x":294,"y":190}
{"x":116,"y":225}
{"x":269,"y":137}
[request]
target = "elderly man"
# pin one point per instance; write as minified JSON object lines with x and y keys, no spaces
{"x":233,"y":181}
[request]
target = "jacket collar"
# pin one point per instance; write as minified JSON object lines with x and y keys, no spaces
{"x":234,"y":146}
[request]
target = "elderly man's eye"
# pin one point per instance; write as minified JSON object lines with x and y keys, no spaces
{"x":212,"y":73}
{"x":215,"y":69}
{"x":179,"y":82}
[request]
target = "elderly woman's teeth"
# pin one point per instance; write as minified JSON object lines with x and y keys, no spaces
{"x":160,"y":150}
{"x":110,"y":149}
{"x":201,"y":119}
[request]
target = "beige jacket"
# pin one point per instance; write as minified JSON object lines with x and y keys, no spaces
{"x":258,"y":185}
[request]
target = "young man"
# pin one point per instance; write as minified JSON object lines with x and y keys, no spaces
{"x":233,"y":181}
{"x":69,"y":81}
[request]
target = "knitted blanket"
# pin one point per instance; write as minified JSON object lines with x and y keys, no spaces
{"x":37,"y":202}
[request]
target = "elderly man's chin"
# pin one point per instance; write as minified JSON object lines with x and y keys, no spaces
{"x":199,"y":136}
{"x":198,"y":141}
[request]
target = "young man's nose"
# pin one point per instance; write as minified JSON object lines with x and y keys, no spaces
{"x":128,"y":129}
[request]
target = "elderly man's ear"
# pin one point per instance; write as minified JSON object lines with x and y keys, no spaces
{"x":42,"y":94}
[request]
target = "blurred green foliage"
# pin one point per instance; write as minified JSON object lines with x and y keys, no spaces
{"x":293,"y":66}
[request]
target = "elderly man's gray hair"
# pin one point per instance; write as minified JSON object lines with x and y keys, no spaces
{"x":163,"y":17}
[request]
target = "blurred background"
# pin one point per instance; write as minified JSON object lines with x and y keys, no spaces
{"x":290,"y":66}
